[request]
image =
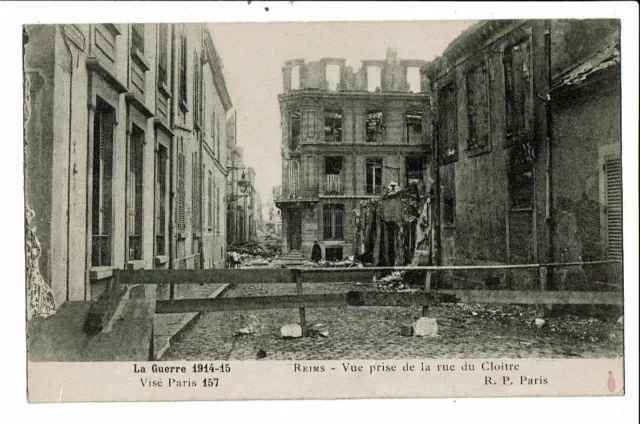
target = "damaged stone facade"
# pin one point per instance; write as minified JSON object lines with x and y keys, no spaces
{"x":521,"y":154}
{"x":346,"y":135}
{"x":126,"y":135}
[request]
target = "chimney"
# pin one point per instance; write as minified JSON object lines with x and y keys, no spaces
{"x":392,"y":53}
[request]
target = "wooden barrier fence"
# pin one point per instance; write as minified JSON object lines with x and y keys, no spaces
{"x":300,"y":276}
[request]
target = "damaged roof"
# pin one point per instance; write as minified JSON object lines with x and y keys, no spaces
{"x":605,"y":59}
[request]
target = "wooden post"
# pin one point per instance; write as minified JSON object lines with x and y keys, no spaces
{"x":427,"y":287}
{"x":542,"y":272}
{"x":295,"y":274}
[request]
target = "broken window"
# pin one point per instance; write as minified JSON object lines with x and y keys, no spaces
{"x":134,"y":202}
{"x":477,"y":107}
{"x":414,"y":166}
{"x":333,"y":175}
{"x":295,"y":118}
{"x":374,"y":176}
{"x":447,"y":136}
{"x":374,"y":127}
{"x":333,"y":222}
{"x":374,"y":78}
{"x":295,"y":77}
{"x":517,"y":71}
{"x":332,"y":76}
{"x":413,"y":123}
{"x":413,"y":79}
{"x":102,"y":172}
{"x":332,"y":126}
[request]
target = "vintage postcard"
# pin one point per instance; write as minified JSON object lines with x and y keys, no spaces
{"x":320,"y":210}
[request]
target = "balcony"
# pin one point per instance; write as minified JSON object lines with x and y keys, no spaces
{"x":295,"y":193}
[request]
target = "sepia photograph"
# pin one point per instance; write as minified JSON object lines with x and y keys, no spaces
{"x":198,"y":196}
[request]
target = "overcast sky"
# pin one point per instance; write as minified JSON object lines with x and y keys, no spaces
{"x":253,"y":55}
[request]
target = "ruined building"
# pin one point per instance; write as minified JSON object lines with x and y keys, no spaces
{"x":527,"y":146}
{"x":347,"y":134}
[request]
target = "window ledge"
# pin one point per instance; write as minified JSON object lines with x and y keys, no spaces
{"x":139,"y":58}
{"x":162,"y":259}
{"x":137,"y":264}
{"x":475,"y":150}
{"x":183,"y":105}
{"x":163,"y":88}
{"x":98,"y":273}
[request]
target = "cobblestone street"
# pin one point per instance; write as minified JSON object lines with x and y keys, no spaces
{"x":465,"y":331}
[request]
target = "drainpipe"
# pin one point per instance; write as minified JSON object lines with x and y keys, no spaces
{"x":70,"y":165}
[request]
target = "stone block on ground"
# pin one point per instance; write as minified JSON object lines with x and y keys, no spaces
{"x":291,"y":331}
{"x":406,"y":330}
{"x":425,"y":327}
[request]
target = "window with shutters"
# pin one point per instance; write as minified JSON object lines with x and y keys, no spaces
{"x":195,"y":195}
{"x":374,"y":176}
{"x":134,"y":198}
{"x":477,"y":83}
{"x":218,"y":218}
{"x":197,"y":90}
{"x":210,"y":201}
{"x":163,"y":55}
{"x":180,"y":213}
{"x":218,"y":140}
{"x":161,"y":200}
{"x":102,"y":193}
{"x":214,"y":134}
{"x":518,"y":91}
{"x":611,"y":199}
{"x":333,"y":222}
{"x":182,"y":72}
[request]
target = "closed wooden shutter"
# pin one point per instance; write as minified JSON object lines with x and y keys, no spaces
{"x":613,"y":196}
{"x":181,"y":190}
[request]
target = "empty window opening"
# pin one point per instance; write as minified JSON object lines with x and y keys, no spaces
{"x":374,"y":176}
{"x":332,"y":76}
{"x":333,"y":222}
{"x":333,"y":175}
{"x":414,"y":168}
{"x":374,"y":127}
{"x":413,"y":122}
{"x":374,"y":78}
{"x":333,"y":254}
{"x":295,"y":129}
{"x":333,"y":126}
{"x":413,"y":79}
{"x":102,"y":172}
{"x":518,"y":101}
{"x":295,"y":77}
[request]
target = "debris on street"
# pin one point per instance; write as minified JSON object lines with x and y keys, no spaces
{"x":291,"y":331}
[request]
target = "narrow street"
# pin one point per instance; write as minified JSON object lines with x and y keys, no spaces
{"x":464,"y":331}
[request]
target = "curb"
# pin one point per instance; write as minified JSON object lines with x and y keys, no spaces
{"x":162,"y":343}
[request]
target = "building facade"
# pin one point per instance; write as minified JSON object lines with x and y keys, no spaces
{"x":346,"y":135}
{"x":123,"y":167}
{"x":527,"y":147}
